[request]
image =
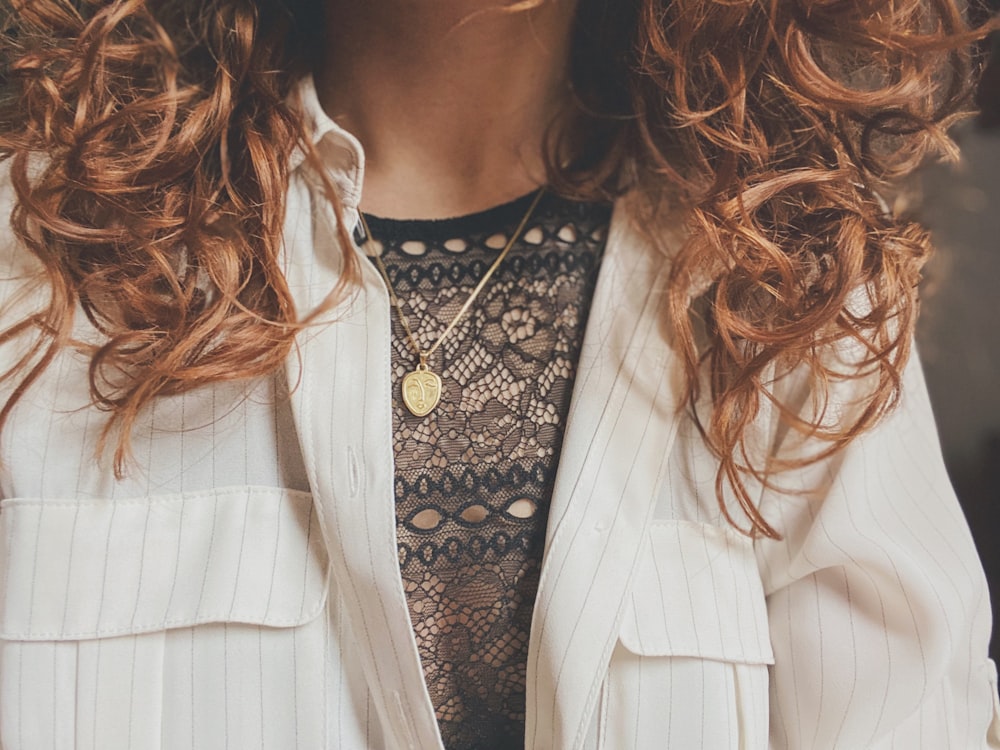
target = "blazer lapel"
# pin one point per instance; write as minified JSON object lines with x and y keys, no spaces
{"x":619,"y":433}
{"x":341,"y":403}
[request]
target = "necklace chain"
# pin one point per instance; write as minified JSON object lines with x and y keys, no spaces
{"x":422,"y":387}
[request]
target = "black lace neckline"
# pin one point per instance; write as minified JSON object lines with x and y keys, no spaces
{"x":474,"y":479}
{"x":438,"y":230}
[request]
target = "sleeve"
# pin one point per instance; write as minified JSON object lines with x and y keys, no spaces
{"x":878,"y":607}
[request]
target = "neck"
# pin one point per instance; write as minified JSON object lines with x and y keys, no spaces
{"x":451,"y":99}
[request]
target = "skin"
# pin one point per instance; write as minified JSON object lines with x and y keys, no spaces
{"x":451,"y":99}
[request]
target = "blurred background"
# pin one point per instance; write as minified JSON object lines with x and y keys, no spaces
{"x":958,"y":336}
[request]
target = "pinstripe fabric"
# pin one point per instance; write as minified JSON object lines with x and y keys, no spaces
{"x":239,"y":588}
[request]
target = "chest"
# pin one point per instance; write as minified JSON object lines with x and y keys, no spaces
{"x":262,"y":522}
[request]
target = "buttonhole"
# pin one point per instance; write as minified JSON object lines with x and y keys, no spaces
{"x":353,"y":472}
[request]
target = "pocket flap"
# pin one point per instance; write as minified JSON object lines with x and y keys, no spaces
{"x":97,"y":568}
{"x":697,"y":592}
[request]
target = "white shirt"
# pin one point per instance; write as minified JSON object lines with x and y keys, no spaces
{"x":240,"y":587}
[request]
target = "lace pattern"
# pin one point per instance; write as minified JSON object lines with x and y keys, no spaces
{"x":474,"y":477}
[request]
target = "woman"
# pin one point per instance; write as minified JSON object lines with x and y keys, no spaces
{"x":610,"y":460}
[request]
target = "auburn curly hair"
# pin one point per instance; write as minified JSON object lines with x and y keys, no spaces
{"x":149,"y":145}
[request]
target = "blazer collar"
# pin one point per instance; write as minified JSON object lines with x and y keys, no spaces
{"x":340,"y":151}
{"x":342,"y":410}
{"x":620,"y":429}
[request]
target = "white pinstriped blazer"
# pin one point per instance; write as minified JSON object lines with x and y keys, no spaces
{"x":240,"y":588}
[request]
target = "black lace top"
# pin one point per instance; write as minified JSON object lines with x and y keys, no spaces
{"x":474,"y":477}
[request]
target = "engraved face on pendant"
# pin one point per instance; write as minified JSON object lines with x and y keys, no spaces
{"x":421,"y":392}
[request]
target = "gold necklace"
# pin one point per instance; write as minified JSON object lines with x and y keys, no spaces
{"x":421,"y":387}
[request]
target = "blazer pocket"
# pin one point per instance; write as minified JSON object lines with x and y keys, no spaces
{"x":156,"y":622}
{"x":100,"y":568}
{"x":690,"y":668}
{"x":697,"y":592}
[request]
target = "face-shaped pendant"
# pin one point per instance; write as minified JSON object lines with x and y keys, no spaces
{"x":421,"y":391}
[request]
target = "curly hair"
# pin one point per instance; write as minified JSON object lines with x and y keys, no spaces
{"x":150,"y":142}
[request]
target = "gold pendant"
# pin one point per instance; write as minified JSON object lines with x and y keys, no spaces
{"x":421,"y":391}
